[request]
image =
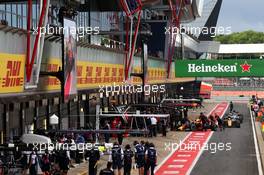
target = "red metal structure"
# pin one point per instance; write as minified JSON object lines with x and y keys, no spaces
{"x":131,"y":10}
{"x":30,"y":62}
{"x":176,"y":12}
{"x":29,"y":14}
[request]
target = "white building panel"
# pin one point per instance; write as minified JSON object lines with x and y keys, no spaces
{"x":241,"y":48}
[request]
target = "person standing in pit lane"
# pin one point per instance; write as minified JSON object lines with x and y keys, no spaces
{"x":164,"y":127}
{"x":139,"y":157}
{"x":23,"y":160}
{"x":148,"y":123}
{"x":220,"y":122}
{"x":212,"y":121}
{"x":119,"y":135}
{"x":33,"y":163}
{"x":45,"y":161}
{"x":154,"y":126}
{"x":256,"y":109}
{"x":205,"y":121}
{"x":107,"y":135}
{"x":116,"y":157}
{"x":128,"y":155}
{"x":151,"y":159}
{"x":93,"y":155}
{"x":146,"y":147}
{"x":185,"y":112}
{"x":231,"y":106}
{"x":79,"y":140}
{"x":63,"y":162}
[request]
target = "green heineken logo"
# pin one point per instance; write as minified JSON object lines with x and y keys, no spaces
{"x":212,"y":68}
{"x":192,"y":68}
{"x":219,"y":68}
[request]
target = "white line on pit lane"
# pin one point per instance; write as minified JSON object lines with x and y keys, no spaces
{"x":186,"y":151}
{"x":175,"y":166}
{"x":184,"y":155}
{"x":171,"y":172}
{"x":194,"y":141}
{"x":179,"y":160}
{"x":199,"y":134}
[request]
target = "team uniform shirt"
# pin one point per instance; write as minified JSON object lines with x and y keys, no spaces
{"x":151,"y":155}
{"x":93,"y":155}
{"x":128,"y":155}
{"x":116,"y":157}
{"x":139,"y":155}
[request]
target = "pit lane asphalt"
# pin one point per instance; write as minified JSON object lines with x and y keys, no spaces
{"x":240,"y":160}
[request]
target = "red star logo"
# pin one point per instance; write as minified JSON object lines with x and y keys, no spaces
{"x":245,"y":67}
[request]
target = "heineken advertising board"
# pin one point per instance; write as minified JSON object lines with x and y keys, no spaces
{"x":219,"y":68}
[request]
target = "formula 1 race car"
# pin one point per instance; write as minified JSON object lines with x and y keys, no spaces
{"x":232,"y":119}
{"x":241,"y":117}
{"x":197,"y":125}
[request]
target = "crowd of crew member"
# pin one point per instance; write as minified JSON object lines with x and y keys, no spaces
{"x":257,"y":108}
{"x":58,"y":162}
{"x":144,"y":153}
{"x":120,"y":159}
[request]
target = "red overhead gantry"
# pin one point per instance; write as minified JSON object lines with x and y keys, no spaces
{"x":132,"y":8}
{"x":176,"y":12}
{"x":30,"y":59}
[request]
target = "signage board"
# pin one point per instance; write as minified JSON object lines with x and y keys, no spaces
{"x":69,"y":58}
{"x":219,"y":68}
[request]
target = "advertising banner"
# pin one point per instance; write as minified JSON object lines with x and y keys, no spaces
{"x":12,"y":73}
{"x":70,"y":56}
{"x":219,"y":68}
{"x":89,"y":74}
{"x":94,"y":74}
